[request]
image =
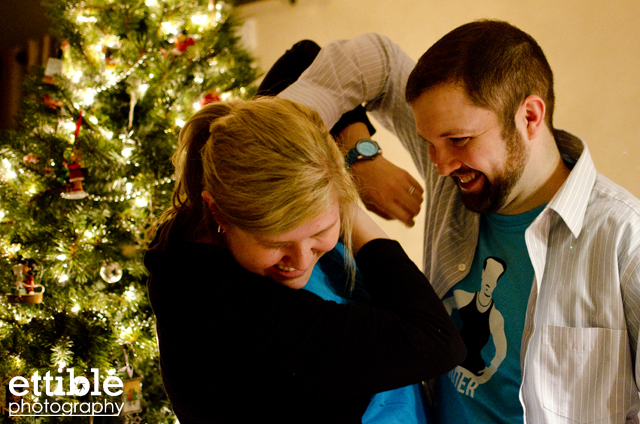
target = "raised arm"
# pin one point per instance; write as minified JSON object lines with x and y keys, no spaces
{"x":368,"y":70}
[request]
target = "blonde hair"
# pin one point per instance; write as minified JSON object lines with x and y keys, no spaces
{"x":270,"y":165}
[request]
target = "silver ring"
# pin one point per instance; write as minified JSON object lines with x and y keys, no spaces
{"x":411,"y":190}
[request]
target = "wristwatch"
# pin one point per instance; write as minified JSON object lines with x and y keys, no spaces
{"x":364,"y":148}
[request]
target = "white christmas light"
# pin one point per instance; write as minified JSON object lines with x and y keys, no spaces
{"x":93,"y":120}
{"x":63,"y":278}
{"x":180,"y":122}
{"x":76,"y":77}
{"x":112,"y":79}
{"x":141,"y":202}
{"x":131,"y":295}
{"x":197,"y":105}
{"x":69,"y":126}
{"x":128,"y":187}
{"x":200,"y":19}
{"x":85,"y":19}
{"x":143,"y":88}
{"x":61,"y":257}
{"x":75,"y":309}
{"x":89,"y":96}
{"x":170,"y":28}
{"x":109,"y":135}
{"x":126,"y":152}
{"x":2,"y":215}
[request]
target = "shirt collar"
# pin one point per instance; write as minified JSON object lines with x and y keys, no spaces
{"x":570,"y":202}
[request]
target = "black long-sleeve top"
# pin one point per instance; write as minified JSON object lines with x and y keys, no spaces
{"x":238,"y":347}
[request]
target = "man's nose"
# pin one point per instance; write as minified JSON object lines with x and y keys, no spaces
{"x":445,"y":160}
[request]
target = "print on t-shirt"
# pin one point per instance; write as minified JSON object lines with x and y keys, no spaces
{"x":480,"y":320}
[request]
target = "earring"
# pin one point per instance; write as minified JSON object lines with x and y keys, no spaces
{"x":220,"y":230}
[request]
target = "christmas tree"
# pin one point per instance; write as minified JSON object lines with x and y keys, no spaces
{"x":83,"y":178}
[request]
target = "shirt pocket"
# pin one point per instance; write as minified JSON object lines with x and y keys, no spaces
{"x":585,"y":371}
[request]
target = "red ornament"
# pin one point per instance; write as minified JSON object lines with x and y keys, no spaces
{"x":74,"y":189}
{"x":77,"y":131}
{"x":182,"y":43}
{"x":210,"y":98}
{"x":52,"y":103}
{"x":30,"y":158}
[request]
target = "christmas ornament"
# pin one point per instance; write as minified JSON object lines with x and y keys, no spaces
{"x":54,"y":67}
{"x":52,"y":103}
{"x":210,"y":97}
{"x":6,"y":397}
{"x":54,"y":64}
{"x":132,"y":395}
{"x":132,"y":388}
{"x":26,"y":290}
{"x":30,"y":158}
{"x":109,"y":61}
{"x":74,"y":189}
{"x":182,"y":42}
{"x":111,"y":273}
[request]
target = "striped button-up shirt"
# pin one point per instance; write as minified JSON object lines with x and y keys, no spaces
{"x":579,"y":347}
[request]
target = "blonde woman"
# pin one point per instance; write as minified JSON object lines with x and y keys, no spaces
{"x":261,"y":195}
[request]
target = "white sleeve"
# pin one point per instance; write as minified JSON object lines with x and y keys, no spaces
{"x":369,"y":70}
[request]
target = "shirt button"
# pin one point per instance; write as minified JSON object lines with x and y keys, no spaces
{"x":462,"y":267}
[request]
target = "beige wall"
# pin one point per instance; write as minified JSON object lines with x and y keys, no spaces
{"x":593,"y":47}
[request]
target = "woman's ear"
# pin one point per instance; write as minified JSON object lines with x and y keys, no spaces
{"x":213,"y":208}
{"x":208,"y":198}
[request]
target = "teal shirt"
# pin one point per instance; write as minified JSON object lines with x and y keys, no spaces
{"x":399,"y":406}
{"x":489,"y":307}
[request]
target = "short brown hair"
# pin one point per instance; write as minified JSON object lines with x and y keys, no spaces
{"x":497,"y":64}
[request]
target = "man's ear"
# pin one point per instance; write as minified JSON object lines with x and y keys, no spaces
{"x":531,"y":114}
{"x":213,"y":208}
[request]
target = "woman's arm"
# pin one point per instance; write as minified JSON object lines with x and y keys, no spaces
{"x":310,"y":349}
{"x":269,"y":344}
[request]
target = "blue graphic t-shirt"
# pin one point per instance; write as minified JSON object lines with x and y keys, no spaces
{"x":399,"y":406}
{"x":489,"y":306}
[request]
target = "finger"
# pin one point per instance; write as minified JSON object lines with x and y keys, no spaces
{"x":418,"y":190}
{"x":401,"y":213}
{"x":411,"y":200}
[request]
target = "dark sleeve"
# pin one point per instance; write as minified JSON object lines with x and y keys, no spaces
{"x":319,"y":348}
{"x":288,"y":69}
{"x":229,"y":336}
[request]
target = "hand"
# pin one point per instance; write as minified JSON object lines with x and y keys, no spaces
{"x":386,"y":189}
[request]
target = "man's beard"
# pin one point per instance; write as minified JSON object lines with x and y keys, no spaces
{"x":494,"y":194}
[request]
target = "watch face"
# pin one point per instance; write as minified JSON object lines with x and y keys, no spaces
{"x":367,"y":148}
